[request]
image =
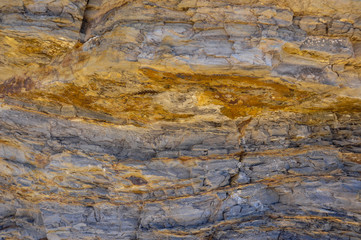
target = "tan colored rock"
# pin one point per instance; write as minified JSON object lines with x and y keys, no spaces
{"x":180,"y":119}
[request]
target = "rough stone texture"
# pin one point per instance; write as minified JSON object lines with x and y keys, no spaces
{"x":180,"y":119}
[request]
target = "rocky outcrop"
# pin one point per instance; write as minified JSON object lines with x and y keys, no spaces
{"x":182,"y":119}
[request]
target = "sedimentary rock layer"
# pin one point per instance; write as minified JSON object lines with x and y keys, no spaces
{"x":181,"y":119}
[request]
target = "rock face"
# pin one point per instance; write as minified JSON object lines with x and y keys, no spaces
{"x":180,"y":119}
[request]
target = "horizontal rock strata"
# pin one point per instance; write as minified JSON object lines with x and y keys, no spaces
{"x":181,"y":119}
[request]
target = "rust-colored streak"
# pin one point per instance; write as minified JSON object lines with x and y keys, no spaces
{"x":137,"y":102}
{"x":238,"y":95}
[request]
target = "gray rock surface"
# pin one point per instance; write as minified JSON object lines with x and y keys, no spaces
{"x":180,"y":119}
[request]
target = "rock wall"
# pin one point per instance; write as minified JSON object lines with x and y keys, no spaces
{"x":180,"y":119}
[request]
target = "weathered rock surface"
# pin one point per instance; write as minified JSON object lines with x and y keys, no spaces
{"x":181,"y":119}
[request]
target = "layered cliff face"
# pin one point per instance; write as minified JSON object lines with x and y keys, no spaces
{"x":180,"y":119}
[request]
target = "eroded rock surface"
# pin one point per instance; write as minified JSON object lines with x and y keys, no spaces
{"x":181,"y":119}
